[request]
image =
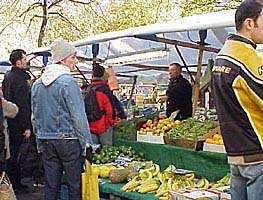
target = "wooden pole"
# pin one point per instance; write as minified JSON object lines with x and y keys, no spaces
{"x":197,"y":80}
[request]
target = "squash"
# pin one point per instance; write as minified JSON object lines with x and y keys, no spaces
{"x":118,"y":175}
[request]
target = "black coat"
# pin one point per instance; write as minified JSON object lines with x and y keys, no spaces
{"x":179,"y":96}
{"x":17,"y":90}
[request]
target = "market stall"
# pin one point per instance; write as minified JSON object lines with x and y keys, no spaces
{"x":213,"y":166}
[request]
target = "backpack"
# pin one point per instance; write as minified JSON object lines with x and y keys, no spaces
{"x":117,"y":109}
{"x":92,"y":108}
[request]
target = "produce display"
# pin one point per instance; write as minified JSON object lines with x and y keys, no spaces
{"x":153,"y":180}
{"x":191,"y":129}
{"x":127,"y":130}
{"x":108,"y":154}
{"x":215,"y":139}
{"x":158,"y":126}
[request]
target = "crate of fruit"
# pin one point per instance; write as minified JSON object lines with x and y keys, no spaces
{"x":190,"y":134}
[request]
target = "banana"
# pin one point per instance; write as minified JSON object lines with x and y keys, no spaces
{"x":130,"y":185}
{"x":146,"y":175}
{"x":163,"y":187}
{"x":148,"y":188}
{"x":170,"y":184}
{"x":157,"y":169}
{"x":200,"y":183}
{"x":206,"y":184}
{"x":217,"y":185}
{"x":150,"y":181}
{"x":190,"y":176}
{"x":228,"y":181}
{"x":161,"y":177}
{"x":175,"y":186}
{"x":170,"y":168}
{"x":164,"y":198}
{"x":188,"y":183}
{"x":160,"y":193}
{"x":151,"y":169}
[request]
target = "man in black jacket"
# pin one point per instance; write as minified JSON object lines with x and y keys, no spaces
{"x":179,"y":94}
{"x":17,"y":90}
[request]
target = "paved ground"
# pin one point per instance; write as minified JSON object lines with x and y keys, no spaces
{"x":34,"y":193}
{"x":37,"y":193}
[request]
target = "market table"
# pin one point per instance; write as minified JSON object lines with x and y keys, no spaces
{"x":211,"y":165}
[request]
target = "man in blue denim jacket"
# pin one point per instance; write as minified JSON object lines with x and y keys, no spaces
{"x":60,"y":122}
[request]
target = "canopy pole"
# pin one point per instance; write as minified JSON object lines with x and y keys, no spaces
{"x":197,"y":80}
{"x":182,"y":58}
{"x":132,"y":90}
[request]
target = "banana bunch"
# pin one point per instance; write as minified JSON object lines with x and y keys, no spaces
{"x":146,"y":175}
{"x":202,"y":184}
{"x":128,"y":187}
{"x":148,"y":186}
{"x":174,"y":183}
{"x":225,"y":181}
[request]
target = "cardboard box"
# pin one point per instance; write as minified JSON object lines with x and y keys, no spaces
{"x":192,"y":144}
{"x":192,"y":194}
{"x":214,"y":148}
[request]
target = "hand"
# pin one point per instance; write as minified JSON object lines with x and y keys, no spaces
{"x":89,"y":154}
{"x":27,"y":133}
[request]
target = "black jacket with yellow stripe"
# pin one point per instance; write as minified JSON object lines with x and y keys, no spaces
{"x":237,"y":86}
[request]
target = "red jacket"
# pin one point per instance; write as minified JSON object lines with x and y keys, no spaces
{"x":106,"y":120}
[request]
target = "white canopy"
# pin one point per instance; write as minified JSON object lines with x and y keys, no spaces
{"x":183,"y":32}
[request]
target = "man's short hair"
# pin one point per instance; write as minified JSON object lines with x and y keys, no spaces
{"x":247,"y":9}
{"x":177,"y":65}
{"x":98,"y":70}
{"x":16,"y":55}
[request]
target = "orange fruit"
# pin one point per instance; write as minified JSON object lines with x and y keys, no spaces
{"x":217,"y":137}
{"x":220,"y":142}
{"x":209,"y":140}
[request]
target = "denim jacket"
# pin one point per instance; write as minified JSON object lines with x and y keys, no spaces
{"x":58,"y":111}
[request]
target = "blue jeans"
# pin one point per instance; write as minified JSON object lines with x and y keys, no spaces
{"x":62,"y":155}
{"x":246,"y":182}
{"x":105,"y":139}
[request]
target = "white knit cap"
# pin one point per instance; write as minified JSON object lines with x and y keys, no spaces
{"x":61,"y":49}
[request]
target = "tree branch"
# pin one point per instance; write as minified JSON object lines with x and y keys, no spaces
{"x":31,"y":7}
{"x":54,"y":4}
{"x":80,"y":2}
{"x":64,"y":19}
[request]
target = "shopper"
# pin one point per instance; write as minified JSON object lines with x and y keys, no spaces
{"x":179,"y":94}
{"x":9,"y":110}
{"x":17,"y":90}
{"x":237,"y":85}
{"x":101,"y":129}
{"x":60,"y":122}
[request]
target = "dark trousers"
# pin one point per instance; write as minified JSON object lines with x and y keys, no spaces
{"x":13,"y":167}
{"x":58,"y":156}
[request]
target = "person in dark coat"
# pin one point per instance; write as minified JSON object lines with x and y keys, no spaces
{"x":17,"y":90}
{"x":179,"y":94}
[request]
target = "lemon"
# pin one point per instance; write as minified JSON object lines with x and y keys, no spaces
{"x":96,"y":169}
{"x":104,"y":171}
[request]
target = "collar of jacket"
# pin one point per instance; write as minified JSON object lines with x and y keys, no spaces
{"x":176,"y":79}
{"x":242,"y":39}
{"x":21,"y":72}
